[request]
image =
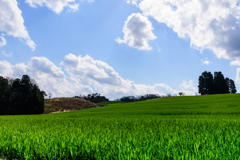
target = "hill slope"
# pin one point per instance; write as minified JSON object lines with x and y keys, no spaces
{"x":66,"y":104}
{"x":187,"y":105}
{"x":190,"y":127}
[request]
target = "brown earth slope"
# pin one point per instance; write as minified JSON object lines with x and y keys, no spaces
{"x":66,"y":104}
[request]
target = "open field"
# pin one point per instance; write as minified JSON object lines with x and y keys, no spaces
{"x":197,"y":127}
{"x":109,"y":102}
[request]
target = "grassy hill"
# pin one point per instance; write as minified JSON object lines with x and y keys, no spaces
{"x":66,"y":104}
{"x":186,"y":105}
{"x":109,"y":102}
{"x":189,"y":127}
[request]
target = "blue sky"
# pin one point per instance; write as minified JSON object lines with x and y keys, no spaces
{"x":119,"y":48}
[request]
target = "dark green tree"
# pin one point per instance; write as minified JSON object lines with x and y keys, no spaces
{"x":37,"y":100}
{"x":4,"y":95}
{"x":25,"y":89}
{"x":216,"y":85}
{"x":23,"y":96}
{"x":227,"y":80}
{"x":206,"y":83}
{"x":232,"y":87}
{"x":15,"y":99}
{"x":220,"y":85}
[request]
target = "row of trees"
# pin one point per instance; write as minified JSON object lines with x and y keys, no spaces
{"x":217,"y":84}
{"x":20,"y":96}
{"x":139,"y":98}
{"x":94,"y":97}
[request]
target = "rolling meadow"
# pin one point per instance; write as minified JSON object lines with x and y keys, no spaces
{"x":187,"y":127}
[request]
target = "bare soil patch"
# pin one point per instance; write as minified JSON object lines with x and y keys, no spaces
{"x":57,"y":105}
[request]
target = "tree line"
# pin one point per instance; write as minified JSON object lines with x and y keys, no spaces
{"x":140,"y":98}
{"x":215,"y":84}
{"x":20,"y":96}
{"x":94,"y":97}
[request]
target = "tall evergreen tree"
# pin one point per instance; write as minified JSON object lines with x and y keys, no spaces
{"x":206,"y":83}
{"x":37,"y":100}
{"x":21,"y":96}
{"x":227,"y":80}
{"x":216,"y":85}
{"x":26,"y":87}
{"x":220,"y":85}
{"x":4,"y":95}
{"x":232,"y":87}
{"x":16,"y":98}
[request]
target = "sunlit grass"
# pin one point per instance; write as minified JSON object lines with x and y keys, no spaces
{"x":109,"y":102}
{"x":201,"y":127}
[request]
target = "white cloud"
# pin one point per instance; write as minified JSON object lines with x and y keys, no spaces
{"x":56,"y":5}
{"x":98,"y":74}
{"x":48,"y":76}
{"x":73,"y":8}
{"x":235,"y":62}
{"x":85,"y":69}
{"x":206,"y":61}
{"x":137,"y":32}
{"x":129,"y":88}
{"x":134,"y":2}
{"x":41,"y":65}
{"x":5,"y":68}
{"x":107,"y":81}
{"x":12,"y":22}
{"x":237,"y":79}
{"x":208,"y":24}
{"x":188,"y":85}
{"x":4,"y":42}
{"x":5,"y":54}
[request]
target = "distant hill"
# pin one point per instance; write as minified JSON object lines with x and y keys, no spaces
{"x":184,"y":105}
{"x":66,"y":104}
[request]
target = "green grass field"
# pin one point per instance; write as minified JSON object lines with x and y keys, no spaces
{"x":190,"y":127}
{"x":109,"y":102}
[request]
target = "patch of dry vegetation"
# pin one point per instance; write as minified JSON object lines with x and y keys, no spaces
{"x":66,"y":104}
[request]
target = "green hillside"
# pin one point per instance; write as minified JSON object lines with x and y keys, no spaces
{"x":190,"y":127}
{"x":193,"y":105}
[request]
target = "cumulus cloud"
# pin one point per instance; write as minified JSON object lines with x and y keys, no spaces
{"x":41,"y":65}
{"x":206,"y":61}
{"x":237,"y":79}
{"x":235,"y":62}
{"x":56,"y":5}
{"x":7,"y":55}
{"x":3,"y":41}
{"x":137,"y":32}
{"x":130,"y":88}
{"x":12,"y":22}
{"x":85,"y":69}
{"x":107,"y":81}
{"x":210,"y":25}
{"x":5,"y":69}
{"x":77,"y":69}
{"x":188,"y":85}
{"x":48,"y":76}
